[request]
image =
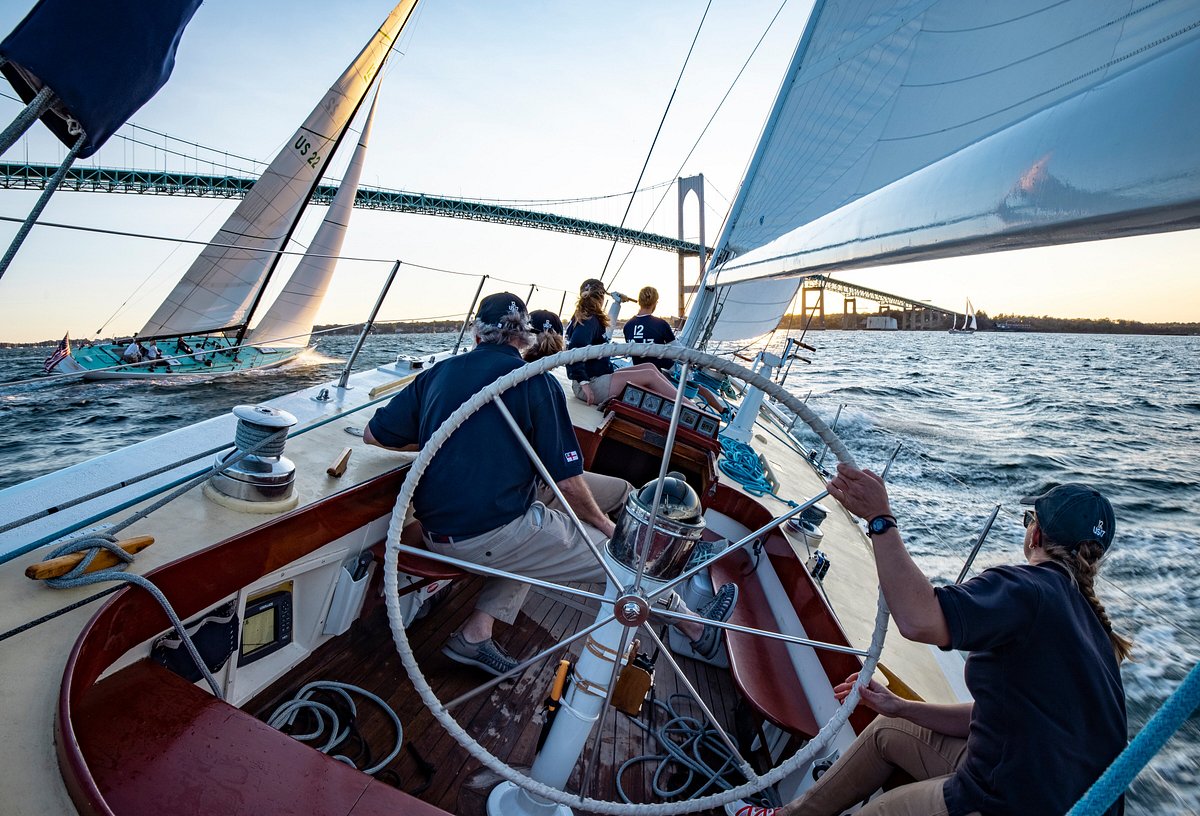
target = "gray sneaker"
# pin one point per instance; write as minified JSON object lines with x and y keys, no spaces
{"x":485,"y":655}
{"x":718,"y":609}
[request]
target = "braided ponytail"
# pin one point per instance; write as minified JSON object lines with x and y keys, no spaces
{"x":1084,"y":563}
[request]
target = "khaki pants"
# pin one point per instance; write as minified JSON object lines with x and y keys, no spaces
{"x":886,"y":745}
{"x":544,"y":543}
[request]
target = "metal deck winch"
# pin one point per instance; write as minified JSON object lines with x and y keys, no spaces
{"x":679,"y":525}
{"x":265,"y":475}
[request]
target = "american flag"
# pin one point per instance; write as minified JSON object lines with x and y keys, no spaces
{"x":63,"y":350}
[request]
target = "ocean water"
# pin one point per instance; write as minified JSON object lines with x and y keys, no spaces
{"x":982,"y":420}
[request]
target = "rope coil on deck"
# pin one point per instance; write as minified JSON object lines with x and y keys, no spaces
{"x":805,"y":755}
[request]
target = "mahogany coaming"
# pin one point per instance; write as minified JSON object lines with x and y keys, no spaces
{"x":760,"y":666}
{"x":192,"y":584}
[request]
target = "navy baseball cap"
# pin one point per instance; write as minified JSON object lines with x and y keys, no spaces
{"x":544,"y":320}
{"x":494,"y":309}
{"x":1071,"y":513}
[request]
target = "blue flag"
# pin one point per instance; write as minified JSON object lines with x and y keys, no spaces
{"x":103,"y":60}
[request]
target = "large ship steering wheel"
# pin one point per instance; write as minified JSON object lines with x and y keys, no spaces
{"x":756,"y":782}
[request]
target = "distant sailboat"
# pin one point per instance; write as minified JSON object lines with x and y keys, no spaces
{"x":205,"y":319}
{"x":968,"y":326}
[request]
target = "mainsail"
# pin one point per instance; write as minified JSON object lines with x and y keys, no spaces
{"x":1069,"y":118}
{"x":221,"y":287}
{"x":289,"y":321}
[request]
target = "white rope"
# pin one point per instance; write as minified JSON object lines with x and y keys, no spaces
{"x":810,"y":751}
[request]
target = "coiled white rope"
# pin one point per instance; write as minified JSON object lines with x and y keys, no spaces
{"x":810,"y":751}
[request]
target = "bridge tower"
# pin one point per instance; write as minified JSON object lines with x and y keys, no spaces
{"x":687,"y":185}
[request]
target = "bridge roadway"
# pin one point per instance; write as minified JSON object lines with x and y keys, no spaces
{"x":884,"y":299}
{"x":17,"y":176}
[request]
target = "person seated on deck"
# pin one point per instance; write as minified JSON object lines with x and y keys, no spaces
{"x":478,"y":500}
{"x":1049,"y":710}
{"x":595,"y":381}
{"x":181,"y":347}
{"x":132,"y":353}
{"x":154,"y":355}
{"x":644,"y":327}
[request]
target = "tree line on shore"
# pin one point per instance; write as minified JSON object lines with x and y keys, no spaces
{"x":795,"y":322}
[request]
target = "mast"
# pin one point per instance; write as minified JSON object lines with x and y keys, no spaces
{"x":224,"y":285}
{"x":245,"y":324}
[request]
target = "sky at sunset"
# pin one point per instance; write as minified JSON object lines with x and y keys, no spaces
{"x":513,"y":101}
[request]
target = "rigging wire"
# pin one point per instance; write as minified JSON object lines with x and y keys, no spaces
{"x":657,"y":133}
{"x":737,"y":77}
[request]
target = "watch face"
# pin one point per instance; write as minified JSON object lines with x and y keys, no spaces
{"x":878,"y":525}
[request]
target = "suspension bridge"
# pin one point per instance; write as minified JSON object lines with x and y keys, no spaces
{"x":81,"y":179}
{"x":912,"y":314}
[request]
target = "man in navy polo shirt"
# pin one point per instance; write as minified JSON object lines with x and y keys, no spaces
{"x":477,"y":501}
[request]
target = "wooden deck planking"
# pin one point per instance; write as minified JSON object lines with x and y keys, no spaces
{"x":507,"y":720}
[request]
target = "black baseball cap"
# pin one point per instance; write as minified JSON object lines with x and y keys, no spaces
{"x":544,"y":320}
{"x":1071,"y":513}
{"x":493,"y":309}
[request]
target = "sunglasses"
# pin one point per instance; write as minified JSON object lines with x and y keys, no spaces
{"x":1029,"y":518}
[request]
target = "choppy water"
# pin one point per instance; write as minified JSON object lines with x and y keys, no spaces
{"x":983,"y":419}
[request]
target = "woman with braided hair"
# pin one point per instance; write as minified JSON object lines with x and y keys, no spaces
{"x":1048,"y":714}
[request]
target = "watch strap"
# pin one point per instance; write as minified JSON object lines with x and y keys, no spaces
{"x":889,"y":522}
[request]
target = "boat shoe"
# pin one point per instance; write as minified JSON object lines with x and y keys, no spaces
{"x":485,"y":655}
{"x":718,"y":609}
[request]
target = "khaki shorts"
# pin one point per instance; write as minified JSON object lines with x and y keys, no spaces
{"x":601,"y":388}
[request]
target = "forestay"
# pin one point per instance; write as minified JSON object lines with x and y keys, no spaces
{"x":221,"y":286}
{"x":930,"y":128}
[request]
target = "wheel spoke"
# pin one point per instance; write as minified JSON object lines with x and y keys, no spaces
{"x":480,"y":569}
{"x":549,"y":480}
{"x":745,"y":768}
{"x":733,"y":627}
{"x":739,"y":544}
{"x":520,"y":667}
{"x":589,"y":766}
{"x":668,"y":449}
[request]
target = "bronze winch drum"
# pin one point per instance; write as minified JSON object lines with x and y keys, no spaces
{"x":679,"y":525}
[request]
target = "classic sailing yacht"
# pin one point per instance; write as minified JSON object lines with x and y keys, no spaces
{"x":968,"y":325}
{"x":203,"y":325}
{"x":876,"y":150}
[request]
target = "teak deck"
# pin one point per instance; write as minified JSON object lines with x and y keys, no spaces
{"x":507,"y":720}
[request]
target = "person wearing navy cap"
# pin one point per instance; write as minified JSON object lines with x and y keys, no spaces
{"x":478,"y":499}
{"x":1048,"y":715}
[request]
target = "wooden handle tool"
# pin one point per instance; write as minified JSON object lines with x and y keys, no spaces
{"x":339,"y":465}
{"x":57,"y":567}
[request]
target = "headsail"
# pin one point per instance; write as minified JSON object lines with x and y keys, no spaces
{"x":289,"y":321}
{"x":220,"y":287}
{"x":889,"y":106}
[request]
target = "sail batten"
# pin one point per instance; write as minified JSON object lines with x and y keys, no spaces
{"x":224,"y":282}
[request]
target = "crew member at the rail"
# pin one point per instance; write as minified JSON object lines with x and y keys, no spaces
{"x":1048,"y":715}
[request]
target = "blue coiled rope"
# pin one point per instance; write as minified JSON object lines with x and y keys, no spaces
{"x":739,"y":461}
{"x":1165,"y":722}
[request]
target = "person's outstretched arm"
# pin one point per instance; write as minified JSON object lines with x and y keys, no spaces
{"x":953,"y":719}
{"x":577,"y":494}
{"x":908,"y":593}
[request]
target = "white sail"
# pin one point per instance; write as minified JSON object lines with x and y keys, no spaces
{"x":289,"y":321}
{"x":752,"y":309}
{"x":218,"y":290}
{"x":1072,"y":121}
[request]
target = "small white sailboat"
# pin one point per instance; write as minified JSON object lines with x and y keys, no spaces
{"x":968,"y":325}
{"x":204,"y":323}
